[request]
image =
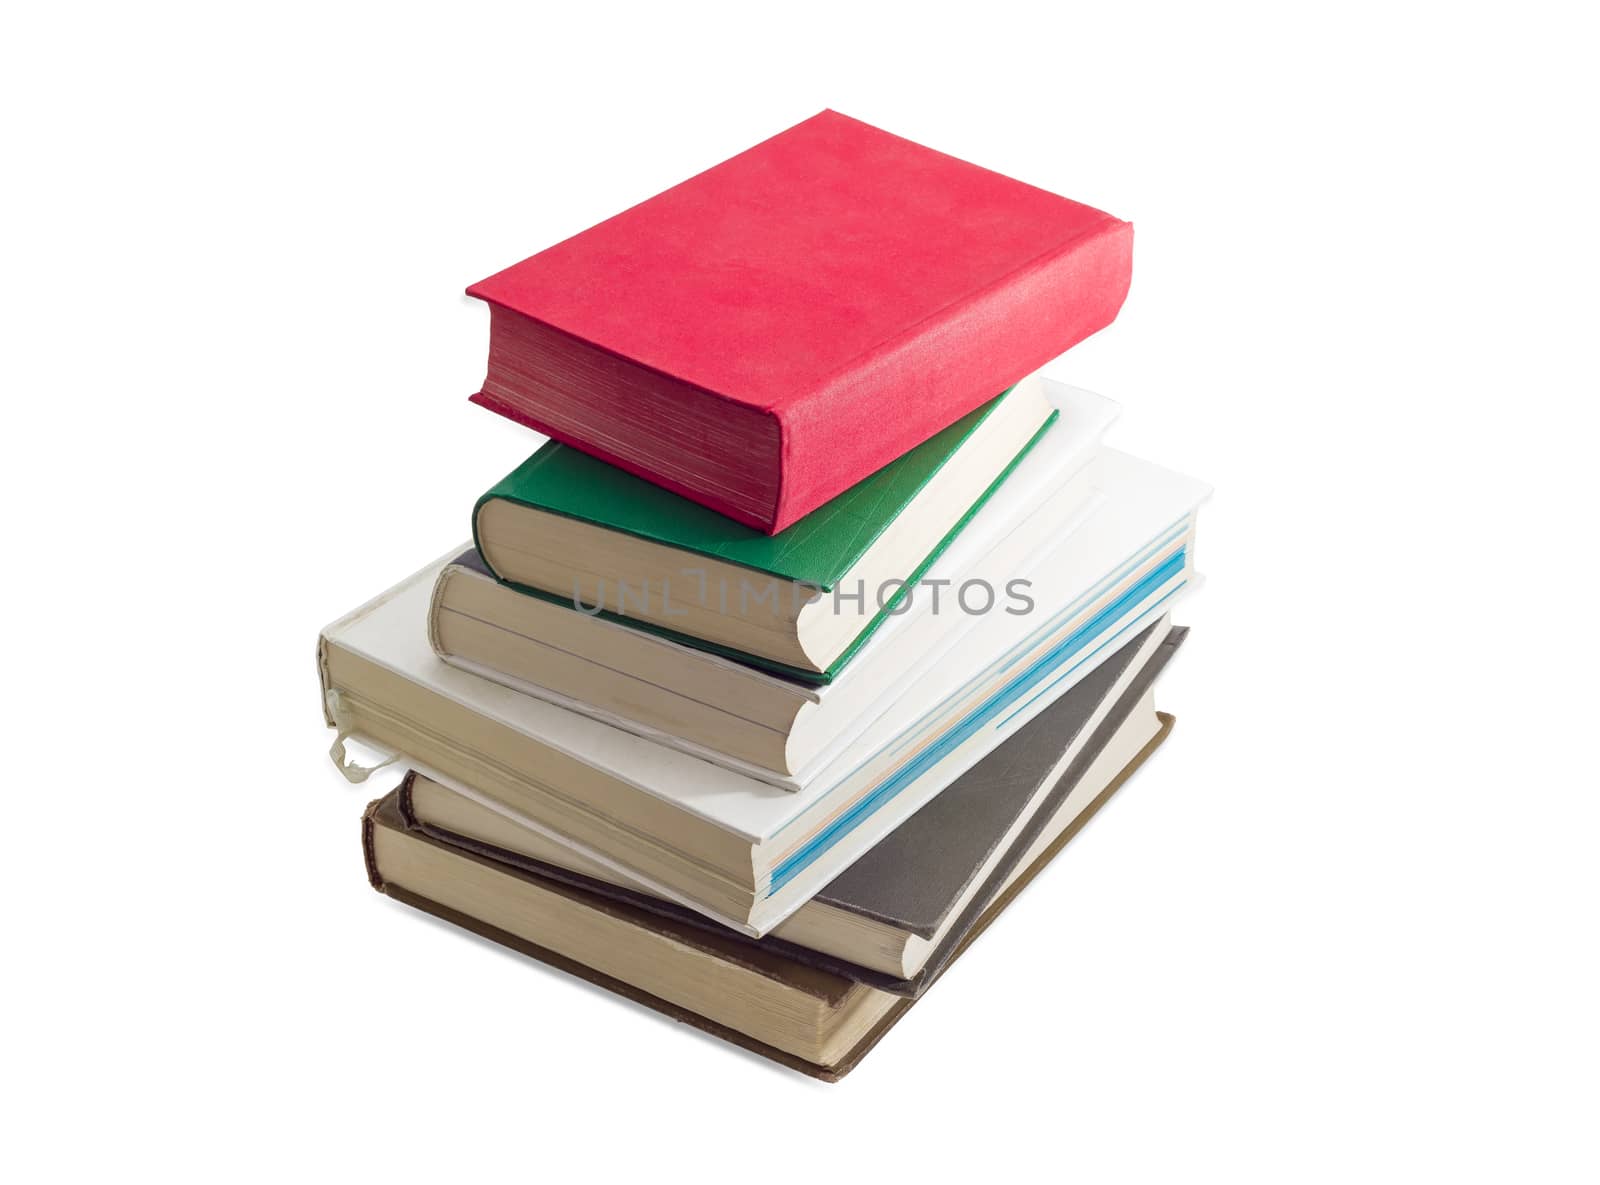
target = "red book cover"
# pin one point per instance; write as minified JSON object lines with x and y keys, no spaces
{"x":769,"y":332}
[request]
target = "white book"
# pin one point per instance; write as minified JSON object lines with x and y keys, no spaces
{"x":731,"y":713}
{"x":734,"y":847}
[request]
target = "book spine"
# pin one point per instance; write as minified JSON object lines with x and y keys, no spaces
{"x":369,"y":849}
{"x":895,"y":397}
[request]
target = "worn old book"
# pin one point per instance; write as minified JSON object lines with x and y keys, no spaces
{"x":782,"y":1008}
{"x":742,"y":850}
{"x":594,"y":538}
{"x":893,"y":916}
{"x":770,"y":332}
{"x":741,"y":715}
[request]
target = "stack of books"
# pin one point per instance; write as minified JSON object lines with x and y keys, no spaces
{"x":820,"y":623}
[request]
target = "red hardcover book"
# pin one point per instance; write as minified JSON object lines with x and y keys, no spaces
{"x":773,"y":330}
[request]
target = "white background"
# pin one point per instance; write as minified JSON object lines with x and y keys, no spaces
{"x":1345,"y":923}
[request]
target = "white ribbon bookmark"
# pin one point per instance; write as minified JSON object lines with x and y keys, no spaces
{"x":353,"y":772}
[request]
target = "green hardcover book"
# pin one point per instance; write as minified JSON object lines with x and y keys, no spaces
{"x":572,"y":529}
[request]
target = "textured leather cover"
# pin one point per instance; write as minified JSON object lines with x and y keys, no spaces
{"x":814,"y":548}
{"x":995,"y":894}
{"x":385,"y":813}
{"x":914,"y":876}
{"x":818,"y":550}
{"x":860,"y":290}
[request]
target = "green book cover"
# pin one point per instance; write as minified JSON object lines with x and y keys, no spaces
{"x":818,"y":550}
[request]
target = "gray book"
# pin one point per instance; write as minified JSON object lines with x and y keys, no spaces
{"x":920,"y":878}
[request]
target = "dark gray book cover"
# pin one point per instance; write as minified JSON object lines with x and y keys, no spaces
{"x":1047,"y":809}
{"x":915,"y":876}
